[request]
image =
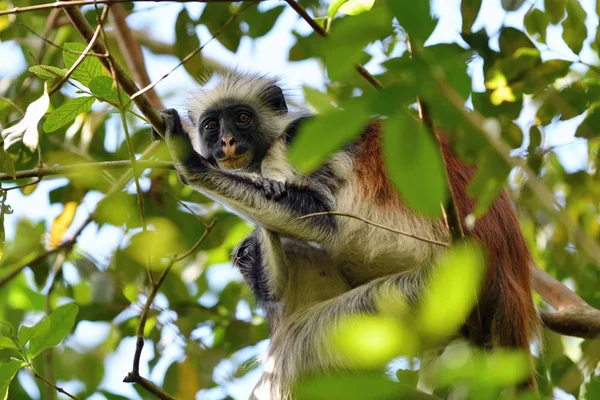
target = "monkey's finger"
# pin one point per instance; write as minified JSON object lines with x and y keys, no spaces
{"x":267,"y":189}
{"x":258,"y":182}
{"x":278,"y":190}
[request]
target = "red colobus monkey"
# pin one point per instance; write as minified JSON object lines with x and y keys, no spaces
{"x":309,"y":273}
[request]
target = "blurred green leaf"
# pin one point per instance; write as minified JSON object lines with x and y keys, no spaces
{"x":536,"y":23}
{"x":331,"y":131}
{"x":452,"y":291}
{"x":261,"y":23}
{"x":214,"y":16}
{"x":588,"y":129}
{"x":87,"y":70}
{"x":8,"y":370}
{"x":574,"y":29}
{"x":68,"y":112}
{"x":469,"y":10}
{"x":556,"y":9}
{"x":369,"y":342}
{"x":414,"y":164}
{"x":350,"y":35}
{"x":415,"y":17}
{"x":61,"y":322}
{"x":186,"y":41}
{"x":512,"y":5}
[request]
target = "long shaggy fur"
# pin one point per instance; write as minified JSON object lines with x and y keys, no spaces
{"x":315,"y":271}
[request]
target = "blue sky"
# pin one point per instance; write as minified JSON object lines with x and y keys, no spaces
{"x":268,"y":55}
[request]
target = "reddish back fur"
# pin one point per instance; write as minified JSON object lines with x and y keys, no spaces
{"x":506,"y":305}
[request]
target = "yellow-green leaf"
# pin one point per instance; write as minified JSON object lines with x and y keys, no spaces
{"x":62,"y":223}
{"x":452,"y":291}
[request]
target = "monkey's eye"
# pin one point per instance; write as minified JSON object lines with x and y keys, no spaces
{"x":242,"y":118}
{"x":210,"y":125}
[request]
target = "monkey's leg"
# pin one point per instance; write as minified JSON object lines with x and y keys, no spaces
{"x":241,"y":194}
{"x":299,"y":346}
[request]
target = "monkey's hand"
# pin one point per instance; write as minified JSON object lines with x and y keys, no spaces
{"x":271,"y":189}
{"x":183,"y":154}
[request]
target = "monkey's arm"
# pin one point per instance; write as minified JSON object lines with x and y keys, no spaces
{"x":241,"y":193}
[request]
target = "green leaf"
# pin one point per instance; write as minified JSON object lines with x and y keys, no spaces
{"x":87,"y":70}
{"x":68,"y":112}
{"x":452,"y":290}
{"x":469,"y":10}
{"x":318,"y":100}
{"x":488,"y":182}
{"x":8,"y":370}
{"x":511,"y":40}
{"x":214,"y":16}
{"x":574,"y":29}
{"x":7,"y":164}
{"x":6,"y":336}
{"x":261,"y":23}
{"x":324,"y":134}
{"x":415,"y":17}
{"x":589,"y":127}
{"x":556,"y":9}
{"x":536,"y":23}
{"x":349,"y":7}
{"x":186,"y":41}
{"x":348,"y":39}
{"x":103,"y":87}
{"x":47,"y":71}
{"x":512,"y":5}
{"x":415,"y":165}
{"x":61,"y":322}
{"x":27,"y":332}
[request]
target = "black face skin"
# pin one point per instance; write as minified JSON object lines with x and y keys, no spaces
{"x":234,"y":137}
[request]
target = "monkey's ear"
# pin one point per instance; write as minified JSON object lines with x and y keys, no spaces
{"x":275,"y":99}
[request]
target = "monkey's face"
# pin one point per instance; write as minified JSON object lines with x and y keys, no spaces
{"x":232,"y":136}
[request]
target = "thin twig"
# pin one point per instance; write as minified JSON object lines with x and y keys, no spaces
{"x":83,"y":168}
{"x":317,"y":28}
{"x":83,"y":55}
{"x":61,"y":48}
{"x":58,"y":389}
{"x":187,"y":208}
{"x":134,"y":375}
{"x":13,"y":104}
{"x":65,"y":4}
{"x":387,"y":228}
{"x":15,"y":272}
{"x":196,"y":50}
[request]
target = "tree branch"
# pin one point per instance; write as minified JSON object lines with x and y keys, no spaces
{"x":573,"y":316}
{"x":132,"y":52}
{"x":67,"y":3}
{"x":83,"y":168}
{"x":126,"y":83}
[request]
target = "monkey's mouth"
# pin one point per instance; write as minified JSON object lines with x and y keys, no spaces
{"x":235,"y":162}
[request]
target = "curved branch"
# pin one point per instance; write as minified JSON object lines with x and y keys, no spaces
{"x":573,"y":316}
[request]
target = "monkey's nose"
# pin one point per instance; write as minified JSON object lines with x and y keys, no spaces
{"x":228,"y":144}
